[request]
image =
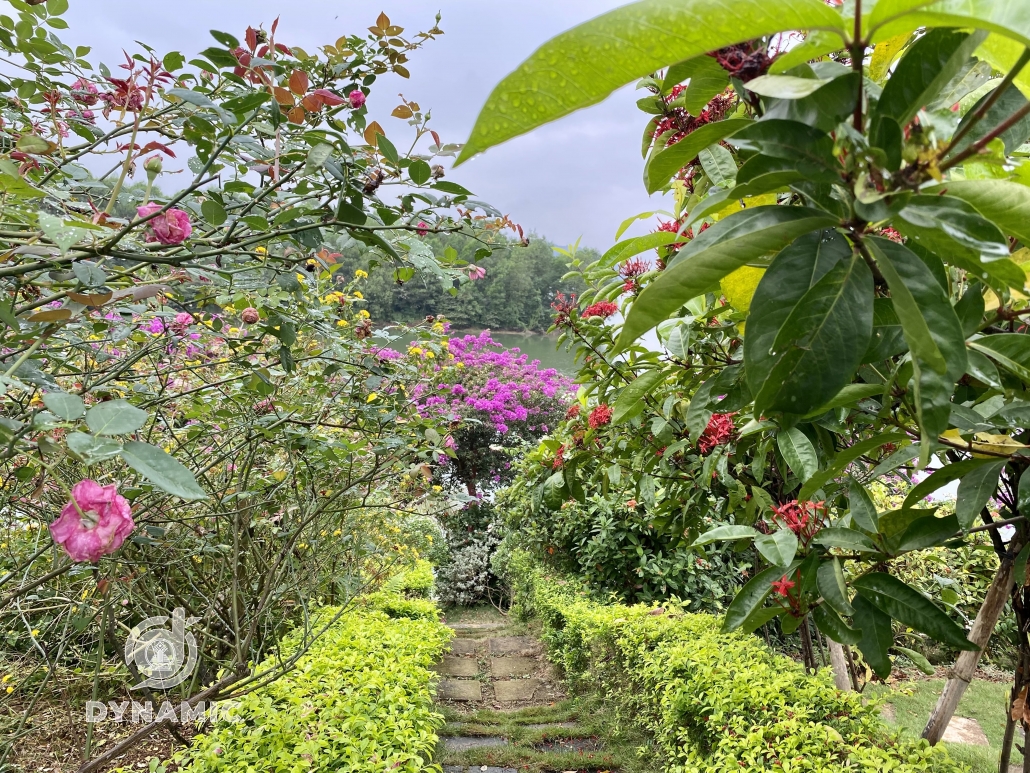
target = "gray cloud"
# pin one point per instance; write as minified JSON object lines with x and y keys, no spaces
{"x":580,"y":176}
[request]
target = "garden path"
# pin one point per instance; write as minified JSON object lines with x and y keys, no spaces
{"x":505,"y":707}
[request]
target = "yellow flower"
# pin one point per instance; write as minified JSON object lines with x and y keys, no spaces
{"x":364,"y":314}
{"x":261,"y":250}
{"x":10,"y":690}
{"x":300,"y":277}
{"x":437,"y":488}
{"x":359,"y":274}
{"x":459,"y":364}
{"x":342,"y":323}
{"x":358,"y":295}
{"x":372,"y":397}
{"x":430,"y":355}
{"x":35,"y":632}
{"x":302,"y":545}
{"x":6,"y":679}
{"x":415,"y":350}
{"x":337,"y":533}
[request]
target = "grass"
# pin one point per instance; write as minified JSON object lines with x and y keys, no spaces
{"x":592,"y":720}
{"x":984,"y":701}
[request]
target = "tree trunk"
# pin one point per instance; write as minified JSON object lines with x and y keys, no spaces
{"x":965,"y":666}
{"x":839,"y":663}
{"x":807,"y":652}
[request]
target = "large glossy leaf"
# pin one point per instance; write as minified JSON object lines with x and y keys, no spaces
{"x":161,"y":469}
{"x":92,"y":449}
{"x":845,"y":457}
{"x":723,"y":533}
{"x":846,"y":539}
{"x":741,"y":238}
{"x":848,"y":396}
{"x":975,"y":490}
{"x":960,"y":222}
{"x":582,"y":66}
{"x":777,"y":548}
{"x":820,"y":345}
{"x":798,"y":451}
{"x":862,"y":508}
{"x":666,"y":162}
{"x":909,"y":607}
{"x":829,"y":622}
{"x":877,"y":636}
{"x":823,"y":109}
{"x":789,"y":140}
{"x":1004,"y":203}
{"x":1010,"y":350}
{"x":115,"y":417}
{"x":941,"y":478}
{"x":932,"y":330}
{"x":67,"y":406}
{"x":830,"y":581}
{"x":634,"y":246}
{"x":707,"y":78}
{"x":750,"y":597}
{"x":927,"y":532}
{"x":631,"y":400}
{"x":1011,"y":19}
{"x":926,"y":68}
{"x":1006,"y":105}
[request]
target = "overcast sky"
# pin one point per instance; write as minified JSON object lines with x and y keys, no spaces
{"x":578,"y":177}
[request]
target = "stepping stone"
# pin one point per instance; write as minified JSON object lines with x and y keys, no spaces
{"x":887,"y":712}
{"x":459,"y":690}
{"x":551,"y":726}
{"x":965,"y":730}
{"x":517,"y":689}
{"x":452,"y":666}
{"x":569,"y":745}
{"x":464,"y":743}
{"x":513,"y":666}
{"x":465,"y":646}
{"x":514,"y":645}
{"x":476,"y":626}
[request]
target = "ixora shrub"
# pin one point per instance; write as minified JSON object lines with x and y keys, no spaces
{"x":194,"y":412}
{"x":360,"y":698}
{"x":712,"y":701}
{"x":841,"y":284}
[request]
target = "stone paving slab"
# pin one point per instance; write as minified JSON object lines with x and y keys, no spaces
{"x":476,"y":769}
{"x":517,"y":689}
{"x":452,"y":666}
{"x":965,"y":730}
{"x":512,"y":645}
{"x":569,"y":745}
{"x":476,"y":626}
{"x":464,"y":743}
{"x":465,"y":646}
{"x":505,"y":667}
{"x":551,"y":726}
{"x":459,"y":690}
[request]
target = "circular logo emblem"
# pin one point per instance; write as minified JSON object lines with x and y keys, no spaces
{"x":164,"y":656}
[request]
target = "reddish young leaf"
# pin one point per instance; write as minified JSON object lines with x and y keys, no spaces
{"x":299,"y":82}
{"x":282,"y":96}
{"x":312,"y":103}
{"x":296,"y":115}
{"x":328,"y":98}
{"x":281,"y":48}
{"x":275,"y":25}
{"x":251,"y":38}
{"x":436,"y":138}
{"x":157,"y":146}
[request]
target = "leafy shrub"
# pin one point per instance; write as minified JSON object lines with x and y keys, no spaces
{"x":360,"y":699}
{"x":713,"y":701}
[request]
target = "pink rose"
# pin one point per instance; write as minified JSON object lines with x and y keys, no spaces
{"x":421,"y":229}
{"x":357,"y":98}
{"x":84,"y":92}
{"x":101,"y":527}
{"x":250,"y":315}
{"x":183,"y":318}
{"x":171,"y":227}
{"x":476,"y":272}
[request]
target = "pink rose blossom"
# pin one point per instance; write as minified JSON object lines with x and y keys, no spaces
{"x":250,"y":315}
{"x":171,"y":227}
{"x":101,"y":527}
{"x":183,"y":318}
{"x":421,"y":229}
{"x":84,"y":92}
{"x":476,"y":272}
{"x":357,"y":98}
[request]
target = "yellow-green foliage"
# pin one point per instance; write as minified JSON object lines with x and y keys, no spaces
{"x":714,"y":702}
{"x":359,"y":700}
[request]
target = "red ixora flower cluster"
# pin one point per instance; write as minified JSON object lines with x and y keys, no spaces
{"x":573,"y":411}
{"x":891,"y":233}
{"x":804,"y":518}
{"x":744,"y":61}
{"x":603,"y":309}
{"x":719,"y":430}
{"x":600,"y":416}
{"x":682,"y":123}
{"x":563,"y":308}
{"x":630,"y":271}
{"x":782,"y":586}
{"x":559,"y":458}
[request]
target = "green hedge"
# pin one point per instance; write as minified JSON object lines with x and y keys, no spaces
{"x":360,"y":699}
{"x":713,"y":702}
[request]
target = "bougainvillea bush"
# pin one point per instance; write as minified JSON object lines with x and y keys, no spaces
{"x":194,"y":409}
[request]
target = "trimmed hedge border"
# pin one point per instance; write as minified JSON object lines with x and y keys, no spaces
{"x":361,"y":699}
{"x":712,"y":701}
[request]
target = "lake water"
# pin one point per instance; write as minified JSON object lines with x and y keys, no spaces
{"x":535,"y":345}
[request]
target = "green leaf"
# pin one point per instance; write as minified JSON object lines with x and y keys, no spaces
{"x":213,"y":212}
{"x":862,"y":508}
{"x":68,"y":407}
{"x":850,"y":395}
{"x":829,"y":622}
{"x":877,"y":636}
{"x":778,"y":548}
{"x":631,"y":399}
{"x":90,"y":274}
{"x":724,"y":533}
{"x":790,"y":140}
{"x":719,"y":165}
{"x":820,"y":344}
{"x":798,"y":451}
{"x":741,"y":238}
{"x":388,"y":149}
{"x":750,"y":597}
{"x":698,"y":412}
{"x":926,"y":68}
{"x":823,"y":109}
{"x":942,"y":477}
{"x":162,"y":470}
{"x":62,"y":235}
{"x":845,"y":539}
{"x":960,"y":222}
{"x":909,"y":607}
{"x":18,"y":186}
{"x":115,"y":417}
{"x":420,"y":172}
{"x":918,"y":660}
{"x":930,"y":531}
{"x":975,"y":490}
{"x":319,"y":154}
{"x":1010,"y":350}
{"x":707,"y":78}
{"x":932,"y":331}
{"x":555,"y":491}
{"x":831,"y":585}
{"x":785,"y":86}
{"x":760,"y":617}
{"x":1023,"y":494}
{"x":1010,"y":102}
{"x":596,"y":58}
{"x":92,"y":449}
{"x":636,"y":245}
{"x":665,"y":163}
{"x":1004,"y":203}
{"x":1019,"y":565}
